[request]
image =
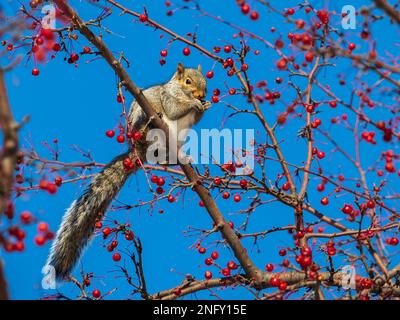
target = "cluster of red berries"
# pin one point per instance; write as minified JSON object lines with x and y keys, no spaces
{"x":320,"y":154}
{"x":389,"y":156}
{"x":245,"y":9}
{"x":159,"y":181}
{"x":18,"y":245}
{"x":137,"y":135}
{"x":231,"y":265}
{"x":50,"y":187}
{"x":393,"y":241}
{"x":163,"y":54}
{"x":350,"y":212}
{"x":330,"y":248}
{"x":44,"y":234}
{"x":368,"y":137}
{"x":111,"y":247}
{"x":276,"y":282}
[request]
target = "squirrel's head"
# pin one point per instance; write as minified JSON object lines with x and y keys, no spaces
{"x":191,"y":81}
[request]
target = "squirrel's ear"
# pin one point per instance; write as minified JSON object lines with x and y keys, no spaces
{"x":180,"y":70}
{"x":199,"y":68}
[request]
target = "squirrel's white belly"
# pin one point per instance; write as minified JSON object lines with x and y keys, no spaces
{"x":177,"y":127}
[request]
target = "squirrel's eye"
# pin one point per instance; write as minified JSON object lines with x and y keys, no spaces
{"x":188,"y":81}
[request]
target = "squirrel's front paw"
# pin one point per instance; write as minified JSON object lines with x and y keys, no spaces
{"x":205,"y":105}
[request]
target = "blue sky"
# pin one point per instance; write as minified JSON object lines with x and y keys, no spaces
{"x":77,"y":105}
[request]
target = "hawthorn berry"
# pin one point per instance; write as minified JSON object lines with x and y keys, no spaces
{"x":269,"y":267}
{"x":40,"y":240}
{"x":96,"y":293}
{"x":210,"y":74}
{"x":254,"y":15}
{"x":116,"y":257}
{"x":214,"y":255}
{"x":245,"y":8}
{"x":110,"y":133}
{"x":143,"y":17}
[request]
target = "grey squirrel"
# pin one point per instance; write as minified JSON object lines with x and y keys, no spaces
{"x":181,"y":100}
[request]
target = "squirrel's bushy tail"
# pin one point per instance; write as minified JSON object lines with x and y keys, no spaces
{"x":79,"y":221}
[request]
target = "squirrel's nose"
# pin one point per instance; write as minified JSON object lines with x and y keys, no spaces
{"x":199,"y":94}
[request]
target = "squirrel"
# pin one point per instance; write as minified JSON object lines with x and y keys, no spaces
{"x":181,"y":99}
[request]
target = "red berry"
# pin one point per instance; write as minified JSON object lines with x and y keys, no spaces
{"x":128,"y":164}
{"x":106,"y":232}
{"x":208,"y":261}
{"x":129,"y":236}
{"x":281,"y":64}
{"x":210,"y":74}
{"x":232,"y":265}
{"x":110,"y":133}
{"x":96,"y":293}
{"x":282,"y":286}
{"x":26,"y":217}
{"x":323,"y":15}
{"x":237,"y":198}
{"x":143,"y":18}
{"x":243,"y":183}
{"x":226,"y":272}
{"x":116,"y":257}
{"x":352,"y":46}
{"x":39,"y":41}
{"x":35,"y":72}
{"x":43,"y":227}
{"x":202,"y":250}
{"x":282,"y":252}
{"x":331,"y":251}
{"x":371,"y":204}
{"x":214,"y":255}
{"x":58,"y":181}
{"x":394,"y":241}
{"x":347,"y":209}
{"x":254,"y":15}
{"x":245,"y":8}
{"x":208,"y":275}
{"x":309,"y":56}
{"x":186,"y":51}
{"x":226,"y":195}
{"x":227,"y":49}
{"x":274,"y":281}
{"x":51,"y":188}
{"x":160,"y":181}
{"x":269,"y":267}
{"x":286,"y":186}
{"x":74,"y":57}
{"x":244,"y":67}
{"x":290,"y":11}
{"x":19,"y":246}
{"x":215,"y":99}
{"x":324,"y":201}
{"x":163,"y":53}
{"x":121,"y":138}
{"x":40,"y":240}
{"x":160,"y":190}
